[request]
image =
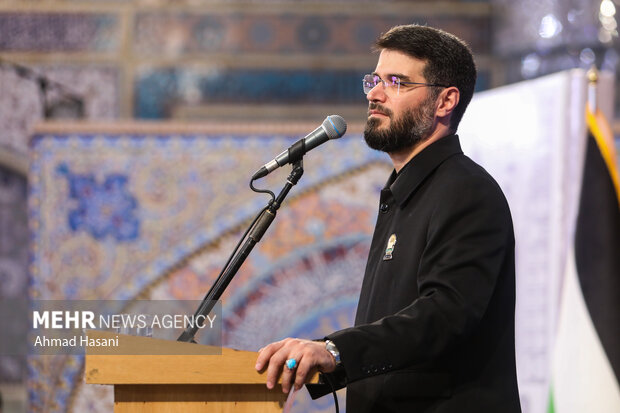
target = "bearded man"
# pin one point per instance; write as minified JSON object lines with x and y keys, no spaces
{"x":434,"y":329}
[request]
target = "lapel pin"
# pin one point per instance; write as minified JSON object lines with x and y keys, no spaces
{"x":390,"y":248}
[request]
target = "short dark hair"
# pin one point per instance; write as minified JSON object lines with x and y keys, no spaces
{"x":448,"y":59}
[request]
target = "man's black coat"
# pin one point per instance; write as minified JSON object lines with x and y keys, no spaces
{"x":434,"y":330}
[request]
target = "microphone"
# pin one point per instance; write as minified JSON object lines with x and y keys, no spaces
{"x":333,"y":127}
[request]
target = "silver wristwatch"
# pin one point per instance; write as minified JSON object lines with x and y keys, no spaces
{"x":331,"y":347}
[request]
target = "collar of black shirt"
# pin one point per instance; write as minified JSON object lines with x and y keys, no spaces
{"x":402,"y":184}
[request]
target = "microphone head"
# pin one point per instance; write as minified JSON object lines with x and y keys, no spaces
{"x":335,"y":126}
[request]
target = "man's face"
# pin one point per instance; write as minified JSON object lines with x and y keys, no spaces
{"x":398,"y":119}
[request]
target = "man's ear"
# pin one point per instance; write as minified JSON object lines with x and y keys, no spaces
{"x":446,"y":102}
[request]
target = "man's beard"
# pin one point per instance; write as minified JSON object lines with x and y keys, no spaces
{"x":412,"y":128}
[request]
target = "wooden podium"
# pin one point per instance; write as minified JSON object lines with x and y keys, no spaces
{"x":179,"y":377}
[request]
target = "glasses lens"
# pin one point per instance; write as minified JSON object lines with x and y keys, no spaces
{"x":369,"y":82}
{"x":395,"y":84}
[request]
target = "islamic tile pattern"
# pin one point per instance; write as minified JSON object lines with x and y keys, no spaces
{"x":176,"y":34}
{"x":158,"y":91}
{"x":58,"y":32}
{"x":103,"y":208}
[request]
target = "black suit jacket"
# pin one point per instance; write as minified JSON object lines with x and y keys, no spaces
{"x":434,"y":330}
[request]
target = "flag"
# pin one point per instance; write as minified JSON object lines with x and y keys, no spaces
{"x":586,"y":357}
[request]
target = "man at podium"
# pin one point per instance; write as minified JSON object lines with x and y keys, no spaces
{"x":434,"y":329}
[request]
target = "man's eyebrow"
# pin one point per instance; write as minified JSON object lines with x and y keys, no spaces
{"x":401,"y":76}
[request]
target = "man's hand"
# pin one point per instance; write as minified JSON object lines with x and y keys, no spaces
{"x":310,"y":356}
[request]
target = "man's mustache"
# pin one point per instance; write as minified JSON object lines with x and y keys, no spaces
{"x":380,"y":108}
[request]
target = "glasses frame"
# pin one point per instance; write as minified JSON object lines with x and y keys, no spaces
{"x":395,"y":82}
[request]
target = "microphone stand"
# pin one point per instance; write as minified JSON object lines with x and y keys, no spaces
{"x":257,"y":230}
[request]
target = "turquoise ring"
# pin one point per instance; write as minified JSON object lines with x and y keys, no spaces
{"x":291,"y":364}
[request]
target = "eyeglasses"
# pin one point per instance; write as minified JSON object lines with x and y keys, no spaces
{"x":371,"y":81}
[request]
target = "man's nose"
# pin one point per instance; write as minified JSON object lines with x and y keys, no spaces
{"x":377,"y":93}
